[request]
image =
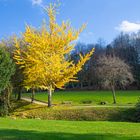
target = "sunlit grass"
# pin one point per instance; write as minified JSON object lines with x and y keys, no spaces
{"x":67,"y":130}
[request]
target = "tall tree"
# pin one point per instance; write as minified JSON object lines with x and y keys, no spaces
{"x":45,"y":59}
{"x":113,"y":71}
{"x":17,"y":78}
{"x":125,"y":46}
{"x":7,"y":68}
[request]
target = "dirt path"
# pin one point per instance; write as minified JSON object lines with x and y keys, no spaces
{"x":35,"y":101}
{"x":86,"y":106}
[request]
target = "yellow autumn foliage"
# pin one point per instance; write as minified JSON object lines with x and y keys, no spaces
{"x":45,"y":56}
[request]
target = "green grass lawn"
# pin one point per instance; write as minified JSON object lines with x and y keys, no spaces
{"x":77,"y":97}
{"x":67,"y":130}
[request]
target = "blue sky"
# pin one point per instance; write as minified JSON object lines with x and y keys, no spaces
{"x":105,"y":18}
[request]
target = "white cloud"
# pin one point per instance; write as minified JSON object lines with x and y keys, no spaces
{"x":127,"y":26}
{"x":37,"y":2}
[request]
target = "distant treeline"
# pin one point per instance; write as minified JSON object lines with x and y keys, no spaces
{"x":124,"y":46}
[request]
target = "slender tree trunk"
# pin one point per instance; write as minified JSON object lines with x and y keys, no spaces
{"x":89,"y":84}
{"x":32,"y":96}
{"x":4,"y":103}
{"x":81,"y":85}
{"x":15,"y":95}
{"x":8,"y":97}
{"x":49,"y":98}
{"x":73,"y":85}
{"x":114,"y":95}
{"x":19,"y":94}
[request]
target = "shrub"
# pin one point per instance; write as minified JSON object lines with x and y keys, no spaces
{"x":86,"y":102}
{"x":103,"y":103}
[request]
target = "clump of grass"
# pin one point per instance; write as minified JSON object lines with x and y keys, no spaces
{"x":66,"y":102}
{"x":86,"y":102}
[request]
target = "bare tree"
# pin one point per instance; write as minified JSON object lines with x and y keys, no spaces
{"x":113,"y":71}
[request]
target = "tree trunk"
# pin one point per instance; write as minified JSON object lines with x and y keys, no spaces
{"x":73,"y":85}
{"x":81,"y":85}
{"x":32,"y":96}
{"x":49,"y":98}
{"x":8,"y":98}
{"x":19,"y":94}
{"x":114,"y":95}
{"x":15,"y":95}
{"x":4,"y":104}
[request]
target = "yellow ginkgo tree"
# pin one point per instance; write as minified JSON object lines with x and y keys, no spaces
{"x":45,"y":57}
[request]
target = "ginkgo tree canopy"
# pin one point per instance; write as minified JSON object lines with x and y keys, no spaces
{"x":45,"y":56}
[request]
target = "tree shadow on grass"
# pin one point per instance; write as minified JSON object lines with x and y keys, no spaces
{"x":14,"y":134}
{"x":21,"y":106}
{"x":123,"y":115}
